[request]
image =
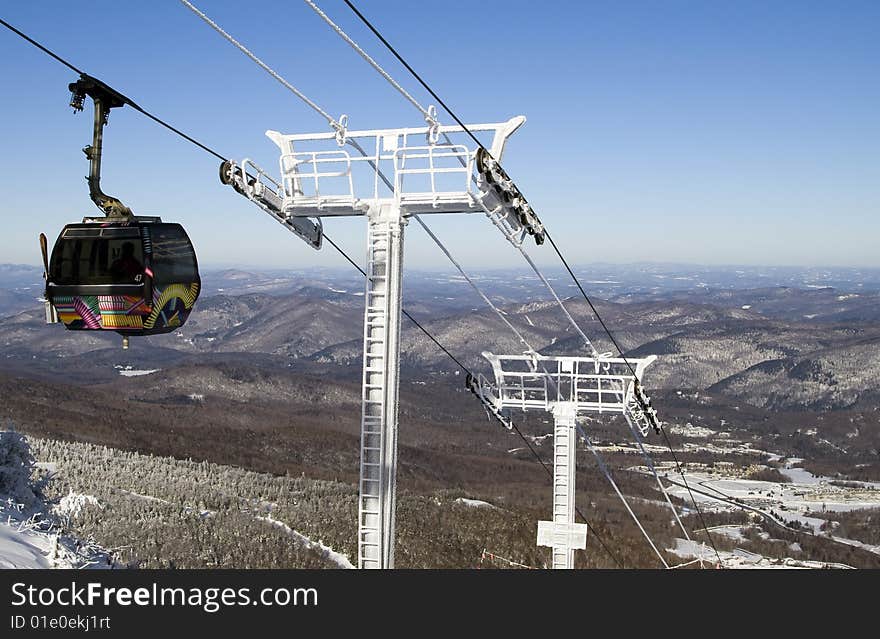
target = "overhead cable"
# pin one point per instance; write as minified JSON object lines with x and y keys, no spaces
{"x":338,"y":126}
{"x":610,"y":479}
{"x":354,"y":45}
{"x":332,"y":243}
{"x":556,"y":249}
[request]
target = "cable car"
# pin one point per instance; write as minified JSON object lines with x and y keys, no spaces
{"x":135,"y":275}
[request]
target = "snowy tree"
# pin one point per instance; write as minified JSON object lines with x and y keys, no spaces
{"x":16,"y":467}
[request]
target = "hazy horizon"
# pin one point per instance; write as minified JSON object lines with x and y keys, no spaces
{"x":217,"y":266}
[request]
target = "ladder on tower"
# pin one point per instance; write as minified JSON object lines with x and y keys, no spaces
{"x":376,"y":506}
{"x":564,"y":468}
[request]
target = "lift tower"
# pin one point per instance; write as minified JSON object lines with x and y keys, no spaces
{"x":387,"y":176}
{"x":568,"y":388}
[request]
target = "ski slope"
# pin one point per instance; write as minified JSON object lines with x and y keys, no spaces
{"x":337,"y":558}
{"x":23,"y":549}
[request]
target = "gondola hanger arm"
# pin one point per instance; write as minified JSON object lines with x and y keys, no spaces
{"x":104,"y":98}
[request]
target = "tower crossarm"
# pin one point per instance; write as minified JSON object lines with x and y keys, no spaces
{"x":590,"y":384}
{"x":482,"y":389}
{"x":252,"y":182}
{"x":418,"y":169}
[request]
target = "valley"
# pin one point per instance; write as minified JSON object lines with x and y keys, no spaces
{"x":265,"y":377}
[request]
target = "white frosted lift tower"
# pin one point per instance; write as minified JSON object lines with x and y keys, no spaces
{"x":386,"y":176}
{"x":569,"y":388}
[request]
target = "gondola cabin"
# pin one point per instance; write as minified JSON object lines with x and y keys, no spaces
{"x":136,"y":277}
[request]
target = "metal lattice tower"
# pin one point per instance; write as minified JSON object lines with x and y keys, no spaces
{"x":321,"y":177}
{"x":567,"y":388}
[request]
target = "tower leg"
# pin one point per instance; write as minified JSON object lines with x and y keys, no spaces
{"x":378,"y":472}
{"x":564,"y":467}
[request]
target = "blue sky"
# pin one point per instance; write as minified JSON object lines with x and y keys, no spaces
{"x":703,"y":132}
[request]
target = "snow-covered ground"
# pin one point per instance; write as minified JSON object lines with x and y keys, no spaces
{"x":806,"y":492}
{"x":718,"y":449}
{"x":739,"y":558}
{"x":787,"y":502}
{"x":36,"y":532}
{"x":22,"y":548}
{"x":33,"y":532}
{"x":342,"y":561}
{"x":28,"y":540}
{"x":689,"y":430}
{"x":474,"y":503}
{"x":133,"y":372}
{"x":731,"y":532}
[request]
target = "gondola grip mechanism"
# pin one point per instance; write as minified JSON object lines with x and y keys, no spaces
{"x":105,"y":98}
